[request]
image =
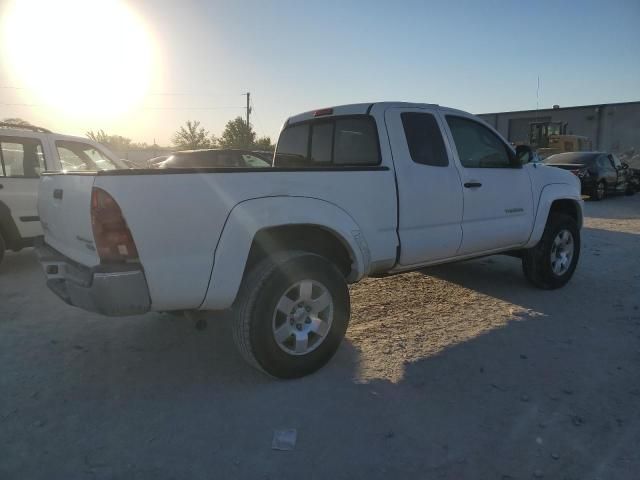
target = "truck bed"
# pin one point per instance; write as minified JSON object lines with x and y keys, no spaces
{"x":176,"y":216}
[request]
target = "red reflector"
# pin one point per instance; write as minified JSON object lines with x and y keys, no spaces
{"x":322,"y":112}
{"x":113,"y":239}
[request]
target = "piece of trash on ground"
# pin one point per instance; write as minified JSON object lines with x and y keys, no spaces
{"x":284,"y":439}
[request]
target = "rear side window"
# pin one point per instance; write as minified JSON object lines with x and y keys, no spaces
{"x":341,"y":141}
{"x":21,"y":157}
{"x":424,"y":139}
{"x":78,"y":157}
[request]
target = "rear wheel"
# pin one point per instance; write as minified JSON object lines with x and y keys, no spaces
{"x":599,"y":191}
{"x":291,"y":314}
{"x":551,"y":263}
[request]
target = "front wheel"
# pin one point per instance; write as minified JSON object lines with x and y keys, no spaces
{"x":599,"y":191}
{"x":551,"y":263}
{"x":291,"y":314}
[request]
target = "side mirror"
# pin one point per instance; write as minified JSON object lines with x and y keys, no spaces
{"x":524,"y":154}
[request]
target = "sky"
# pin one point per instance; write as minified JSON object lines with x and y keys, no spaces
{"x":142,"y":68}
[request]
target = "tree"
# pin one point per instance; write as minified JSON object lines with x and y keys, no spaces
{"x":237,"y":134}
{"x":264,"y":143}
{"x":17,"y":121}
{"x":113,"y":142}
{"x":192,"y":136}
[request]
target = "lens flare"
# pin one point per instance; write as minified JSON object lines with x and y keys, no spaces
{"x":90,"y":59}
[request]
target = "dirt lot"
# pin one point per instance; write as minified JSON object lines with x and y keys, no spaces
{"x":460,"y":371}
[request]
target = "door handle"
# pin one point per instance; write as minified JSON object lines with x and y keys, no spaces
{"x":57,"y":193}
{"x":472,"y":185}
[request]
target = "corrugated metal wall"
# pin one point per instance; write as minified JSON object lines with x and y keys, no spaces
{"x":611,"y":127}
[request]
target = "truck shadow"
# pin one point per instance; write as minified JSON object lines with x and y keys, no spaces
{"x":604,"y":254}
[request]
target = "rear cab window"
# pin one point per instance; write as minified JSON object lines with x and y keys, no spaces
{"x":329,"y":142}
{"x":21,"y":157}
{"x":81,"y":157}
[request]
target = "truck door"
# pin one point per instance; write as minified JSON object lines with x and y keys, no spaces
{"x":429,"y":188}
{"x":498,"y":199}
{"x":21,"y":161}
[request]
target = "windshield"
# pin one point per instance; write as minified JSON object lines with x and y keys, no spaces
{"x":78,"y":156}
{"x":215,"y":159}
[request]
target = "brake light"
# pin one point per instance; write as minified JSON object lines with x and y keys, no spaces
{"x":112,"y":236}
{"x":322,"y":112}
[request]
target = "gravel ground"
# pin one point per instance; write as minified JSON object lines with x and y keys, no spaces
{"x":459,"y":371}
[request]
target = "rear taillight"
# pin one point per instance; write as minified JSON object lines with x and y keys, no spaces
{"x":581,"y":173}
{"x":110,"y":232}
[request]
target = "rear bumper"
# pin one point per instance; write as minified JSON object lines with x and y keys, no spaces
{"x":113,"y":290}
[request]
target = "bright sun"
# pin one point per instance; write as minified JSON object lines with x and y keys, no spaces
{"x":84,"y":58}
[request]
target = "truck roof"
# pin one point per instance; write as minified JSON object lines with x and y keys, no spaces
{"x":354,"y":109}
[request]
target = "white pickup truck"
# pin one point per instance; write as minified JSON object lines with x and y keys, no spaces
{"x":354,"y":191}
{"x":25,"y":152}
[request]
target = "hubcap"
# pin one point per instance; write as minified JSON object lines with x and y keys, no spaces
{"x":562,"y":252}
{"x":303,"y":317}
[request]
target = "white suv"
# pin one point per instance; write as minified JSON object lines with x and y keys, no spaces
{"x":25,"y":152}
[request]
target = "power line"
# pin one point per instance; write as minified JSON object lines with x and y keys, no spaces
{"x":36,"y":105}
{"x":168,"y":94}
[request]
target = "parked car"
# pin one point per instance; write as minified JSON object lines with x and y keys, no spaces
{"x":155,"y":161}
{"x":355,"y":191}
{"x":600,"y":173}
{"x":631,"y":161}
{"x":26,"y":152}
{"x":215,"y":158}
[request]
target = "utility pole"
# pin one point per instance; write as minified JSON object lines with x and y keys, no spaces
{"x":248,"y":95}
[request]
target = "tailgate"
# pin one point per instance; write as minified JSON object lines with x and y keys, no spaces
{"x":64,"y":206}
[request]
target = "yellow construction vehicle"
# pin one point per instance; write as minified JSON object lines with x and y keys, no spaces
{"x":549,"y":138}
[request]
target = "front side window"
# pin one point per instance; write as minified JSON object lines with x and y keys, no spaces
{"x":78,"y":157}
{"x":340,"y":141}
{"x":424,"y":139}
{"x":477,"y":146}
{"x":21,"y":157}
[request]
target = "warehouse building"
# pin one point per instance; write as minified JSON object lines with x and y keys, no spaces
{"x":612,"y":127}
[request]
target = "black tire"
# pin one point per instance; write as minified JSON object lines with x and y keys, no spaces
{"x":536,"y":261}
{"x":599,"y":191}
{"x":630,"y":190}
{"x":3,"y":247}
{"x":255,"y":307}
